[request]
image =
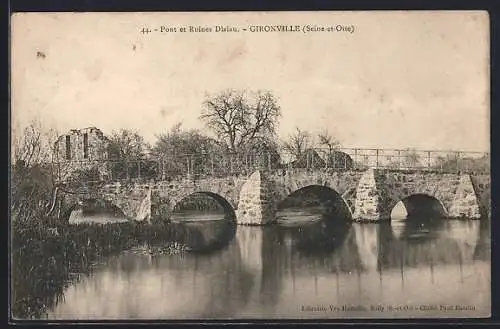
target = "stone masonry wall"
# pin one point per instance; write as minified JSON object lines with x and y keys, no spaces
{"x":482,"y":187}
{"x":370,"y":195}
{"x":380,"y":190}
{"x":342,"y":182}
{"x":165,"y":195}
{"x":256,"y":205}
{"x":130,"y":198}
{"x":368,"y":206}
{"x":465,"y":203}
{"x":397,"y":186}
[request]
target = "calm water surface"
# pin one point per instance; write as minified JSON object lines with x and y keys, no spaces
{"x":305,"y":267}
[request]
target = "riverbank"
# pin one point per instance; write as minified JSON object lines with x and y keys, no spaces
{"x":46,"y":259}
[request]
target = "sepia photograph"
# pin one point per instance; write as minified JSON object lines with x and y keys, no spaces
{"x":250,"y":165}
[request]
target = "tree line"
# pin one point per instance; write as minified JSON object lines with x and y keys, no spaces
{"x":241,"y":133}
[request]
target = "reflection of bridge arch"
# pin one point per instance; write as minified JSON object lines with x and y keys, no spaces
{"x":206,"y":237}
{"x":326,"y":195}
{"x":228,"y":208}
{"x":421,"y":205}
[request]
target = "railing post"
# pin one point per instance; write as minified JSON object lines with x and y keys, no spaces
{"x":428,"y":160}
{"x":356,"y":157}
{"x":163,"y":174}
{"x":399,"y":159}
{"x":193,"y":167}
{"x":212,"y":163}
{"x":376,"y":166}
{"x":187,"y":162}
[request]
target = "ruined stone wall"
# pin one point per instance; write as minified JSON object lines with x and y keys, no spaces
{"x":96,"y":152}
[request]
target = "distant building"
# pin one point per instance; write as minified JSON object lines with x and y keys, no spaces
{"x":82,"y":149}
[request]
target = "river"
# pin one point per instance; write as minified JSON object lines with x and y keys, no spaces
{"x":306,"y":266}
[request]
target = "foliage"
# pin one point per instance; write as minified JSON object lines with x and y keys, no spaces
{"x":31,"y":178}
{"x":31,"y":191}
{"x":309,"y":159}
{"x":45,"y":260}
{"x":128,"y":150}
{"x":452,"y":162}
{"x":338,"y":159}
{"x":126,"y":144}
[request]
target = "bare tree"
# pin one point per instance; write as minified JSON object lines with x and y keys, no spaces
{"x":298,"y":142}
{"x":33,"y":145}
{"x":325,"y":138}
{"x":238,"y":117}
{"x":32,"y":175}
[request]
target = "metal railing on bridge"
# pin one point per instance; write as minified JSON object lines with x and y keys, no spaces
{"x":195,"y":166}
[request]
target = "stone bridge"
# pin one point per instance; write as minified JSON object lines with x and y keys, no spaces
{"x":362,"y":196}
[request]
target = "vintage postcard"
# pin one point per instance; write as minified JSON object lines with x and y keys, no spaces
{"x":250,"y":165}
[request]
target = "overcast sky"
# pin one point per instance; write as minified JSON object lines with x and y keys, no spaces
{"x":402,"y":79}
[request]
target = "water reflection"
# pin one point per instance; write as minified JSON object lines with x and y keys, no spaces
{"x":254,"y":272}
{"x":417,"y":228}
{"x":207,"y":232}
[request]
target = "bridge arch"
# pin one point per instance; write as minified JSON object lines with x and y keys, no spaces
{"x":226,"y":205}
{"x":418,"y":205}
{"x":333,"y":201}
{"x":90,"y":205}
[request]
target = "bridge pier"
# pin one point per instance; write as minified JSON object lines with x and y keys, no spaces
{"x":256,"y":204}
{"x":369,"y":206}
{"x":465,"y":202}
